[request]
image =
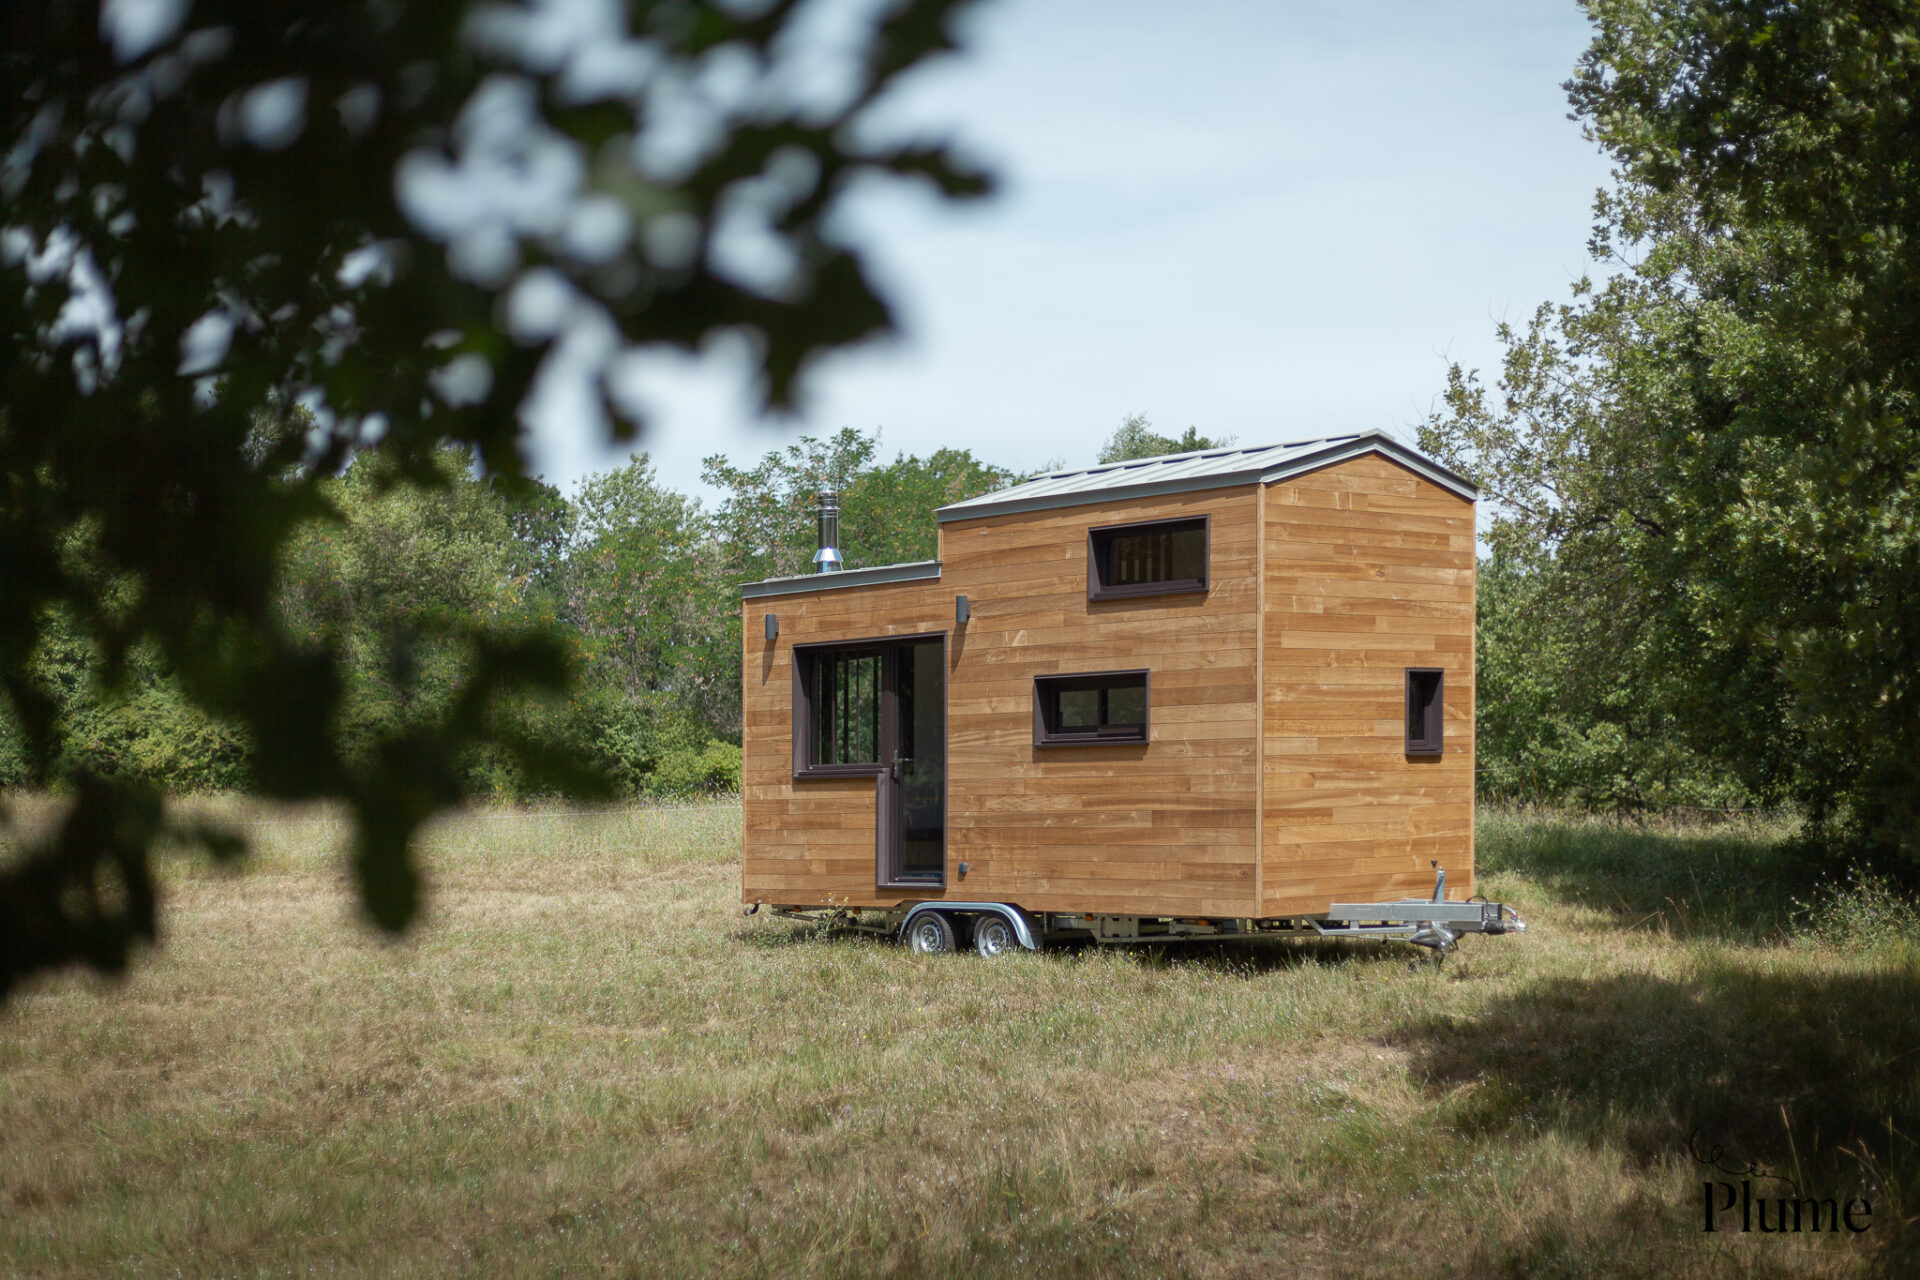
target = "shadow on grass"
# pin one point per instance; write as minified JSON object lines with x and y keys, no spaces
{"x":1240,"y":957}
{"x":1780,"y":1067}
{"x":1252,"y":957}
{"x":786,"y":935}
{"x":1736,"y":883}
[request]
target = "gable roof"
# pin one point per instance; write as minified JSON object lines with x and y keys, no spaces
{"x":1201,"y":469}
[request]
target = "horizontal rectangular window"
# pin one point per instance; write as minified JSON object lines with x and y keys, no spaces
{"x":1094,"y":709}
{"x":1425,"y":710}
{"x":1147,"y":559}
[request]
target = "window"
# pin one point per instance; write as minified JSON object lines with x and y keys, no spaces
{"x":1104,"y":708}
{"x":1147,"y":559}
{"x":1424,"y":711}
{"x":836,"y":713}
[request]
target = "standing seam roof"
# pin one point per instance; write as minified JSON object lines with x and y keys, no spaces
{"x":1201,"y":469}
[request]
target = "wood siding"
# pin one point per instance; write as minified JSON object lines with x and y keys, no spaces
{"x":1369,"y":570}
{"x":1275,"y":780}
{"x":811,"y":842}
{"x":1166,"y":828}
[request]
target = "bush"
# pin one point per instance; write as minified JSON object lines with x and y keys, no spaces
{"x":1865,"y":913}
{"x":647,"y":745}
{"x":714,"y":770}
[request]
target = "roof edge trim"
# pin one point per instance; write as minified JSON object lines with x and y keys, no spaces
{"x":872,"y":576}
{"x":1384,"y":445}
{"x":1419,"y":463}
{"x":1150,"y":489}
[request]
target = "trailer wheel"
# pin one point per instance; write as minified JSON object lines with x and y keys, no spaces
{"x":931,"y":935}
{"x":993,"y":936}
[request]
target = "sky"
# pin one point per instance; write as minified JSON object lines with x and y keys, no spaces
{"x":1272,"y":221}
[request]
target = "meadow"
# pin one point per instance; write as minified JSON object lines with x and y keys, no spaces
{"x":586,"y":1061}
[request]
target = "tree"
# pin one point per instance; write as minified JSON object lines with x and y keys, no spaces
{"x":394,"y":214}
{"x":393,"y":587}
{"x":646,"y":589}
{"x":886,"y":509}
{"x":1715,"y":449}
{"x":1136,"y":438}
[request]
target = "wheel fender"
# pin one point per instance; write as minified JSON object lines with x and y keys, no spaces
{"x":1013,"y":915}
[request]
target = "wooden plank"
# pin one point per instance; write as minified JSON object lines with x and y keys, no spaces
{"x":1369,"y":570}
{"x":1190,"y":820}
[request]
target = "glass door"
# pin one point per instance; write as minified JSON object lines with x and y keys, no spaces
{"x":912,"y":799}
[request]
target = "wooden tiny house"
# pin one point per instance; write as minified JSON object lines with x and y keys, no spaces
{"x":1229,"y":690}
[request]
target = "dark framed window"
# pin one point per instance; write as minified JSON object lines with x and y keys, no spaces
{"x":837,"y":694}
{"x":1425,"y":710}
{"x":1149,"y":559}
{"x":1098,"y":708}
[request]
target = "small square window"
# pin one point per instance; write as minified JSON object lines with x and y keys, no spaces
{"x":1147,"y":559}
{"x":1102,"y":708}
{"x":1425,"y":710}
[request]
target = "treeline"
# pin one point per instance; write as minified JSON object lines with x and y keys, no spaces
{"x":640,"y":581}
{"x":1590,"y":691}
{"x":1705,"y":467}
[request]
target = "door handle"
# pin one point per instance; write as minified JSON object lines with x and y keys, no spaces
{"x":899,"y":760}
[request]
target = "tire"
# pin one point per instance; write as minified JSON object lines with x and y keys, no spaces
{"x":931,"y":934}
{"x":993,"y":936}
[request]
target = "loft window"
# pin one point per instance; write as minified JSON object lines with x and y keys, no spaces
{"x":1096,"y":709}
{"x":1147,"y":559}
{"x":837,"y":709}
{"x":1424,"y":710}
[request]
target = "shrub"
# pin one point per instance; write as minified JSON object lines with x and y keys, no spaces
{"x":713,"y":770}
{"x":1865,"y":913}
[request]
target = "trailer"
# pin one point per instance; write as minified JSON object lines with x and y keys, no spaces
{"x":1218,"y":694}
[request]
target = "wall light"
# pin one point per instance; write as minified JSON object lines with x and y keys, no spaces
{"x":773,"y":627}
{"x":960,"y":610}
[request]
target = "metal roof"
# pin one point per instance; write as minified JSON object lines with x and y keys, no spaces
{"x":870,"y":576}
{"x":1201,"y":469}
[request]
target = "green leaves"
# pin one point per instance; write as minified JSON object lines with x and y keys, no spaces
{"x":886,"y":509}
{"x":323,"y":205}
{"x":1708,"y":461}
{"x":1136,"y":438}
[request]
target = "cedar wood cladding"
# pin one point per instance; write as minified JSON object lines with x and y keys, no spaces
{"x":1169,"y":826}
{"x":1353,"y":555}
{"x":1369,"y":571}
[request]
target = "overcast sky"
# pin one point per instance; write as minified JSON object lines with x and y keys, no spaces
{"x":1267,"y":220}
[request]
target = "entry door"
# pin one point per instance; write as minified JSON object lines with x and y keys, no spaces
{"x":911,"y":807}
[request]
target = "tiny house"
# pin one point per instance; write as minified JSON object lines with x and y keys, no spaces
{"x":1222,"y":692}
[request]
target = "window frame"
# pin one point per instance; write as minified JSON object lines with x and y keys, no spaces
{"x":1100,"y":539}
{"x":1432,"y":741}
{"x":806,"y":719}
{"x":1045,"y":709}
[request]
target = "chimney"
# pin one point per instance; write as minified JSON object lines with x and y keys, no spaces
{"x":827,"y":558}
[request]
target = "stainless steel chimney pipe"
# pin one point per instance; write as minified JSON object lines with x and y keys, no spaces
{"x":827,"y":558}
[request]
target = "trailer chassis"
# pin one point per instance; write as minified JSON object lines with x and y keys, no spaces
{"x":934,"y":926}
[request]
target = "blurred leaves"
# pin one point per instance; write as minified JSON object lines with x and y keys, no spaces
{"x":243,"y":249}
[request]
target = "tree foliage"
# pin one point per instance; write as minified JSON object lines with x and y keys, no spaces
{"x":394,"y":214}
{"x":637,"y":583}
{"x":1711,"y":453}
{"x":886,"y":508}
{"x":1136,"y":438}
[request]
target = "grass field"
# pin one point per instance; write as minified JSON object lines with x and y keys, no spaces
{"x":586,"y":1062}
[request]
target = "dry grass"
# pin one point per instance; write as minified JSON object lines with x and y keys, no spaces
{"x":588,"y":1063}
